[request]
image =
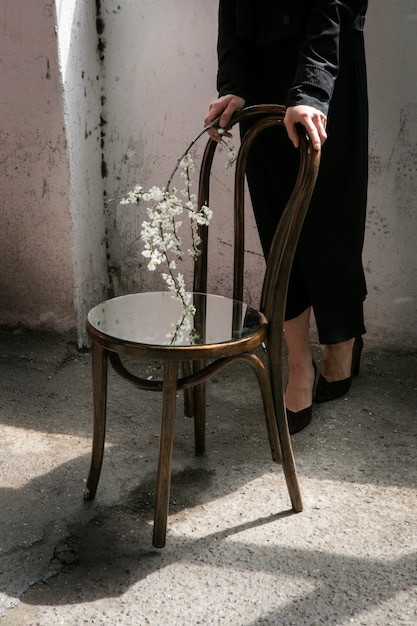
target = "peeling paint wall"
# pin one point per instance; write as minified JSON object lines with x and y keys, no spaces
{"x":159,"y":78}
{"x":80,"y":27}
{"x":98,"y":96}
{"x":52,"y":240}
{"x":36,"y":279}
{"x":160,"y":75}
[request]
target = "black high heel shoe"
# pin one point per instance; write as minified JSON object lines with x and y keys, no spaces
{"x":326,"y":391}
{"x":297,"y":420}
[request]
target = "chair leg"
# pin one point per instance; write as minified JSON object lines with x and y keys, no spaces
{"x":163,"y":481}
{"x":199,"y":413}
{"x":99,"y":371}
{"x":288,"y":462}
{"x":189,"y":392}
{"x":275,"y":370}
{"x":268,"y":404}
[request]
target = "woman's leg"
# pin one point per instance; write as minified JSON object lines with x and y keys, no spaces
{"x":337,"y":364}
{"x":337,"y":360}
{"x":299,"y":391}
{"x":340,"y":363}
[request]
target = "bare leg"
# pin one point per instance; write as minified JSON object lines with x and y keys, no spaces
{"x":337,"y":360}
{"x":298,"y":394}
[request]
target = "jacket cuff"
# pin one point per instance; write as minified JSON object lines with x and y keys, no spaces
{"x":233,"y":87}
{"x":313,"y":86}
{"x":309,"y":97}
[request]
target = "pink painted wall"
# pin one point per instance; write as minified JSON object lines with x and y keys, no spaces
{"x":132,"y":108}
{"x":36,"y":278}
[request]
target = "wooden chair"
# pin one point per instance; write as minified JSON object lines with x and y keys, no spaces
{"x":228,"y":330}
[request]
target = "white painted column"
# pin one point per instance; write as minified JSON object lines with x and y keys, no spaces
{"x":82,"y":82}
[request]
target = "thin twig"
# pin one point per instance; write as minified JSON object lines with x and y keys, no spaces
{"x":187,"y":150}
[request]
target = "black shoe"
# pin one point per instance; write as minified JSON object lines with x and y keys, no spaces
{"x":297,"y":420}
{"x":326,"y":391}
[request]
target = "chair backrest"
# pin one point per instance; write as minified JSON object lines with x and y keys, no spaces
{"x":281,"y":254}
{"x":283,"y":247}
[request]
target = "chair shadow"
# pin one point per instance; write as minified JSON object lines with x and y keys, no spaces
{"x":103,"y":550}
{"x":114,"y":554}
{"x":109,"y":545}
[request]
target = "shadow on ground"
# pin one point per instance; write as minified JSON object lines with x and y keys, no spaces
{"x":235,"y":554}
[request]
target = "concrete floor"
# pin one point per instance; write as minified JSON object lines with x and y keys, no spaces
{"x":235,"y":554}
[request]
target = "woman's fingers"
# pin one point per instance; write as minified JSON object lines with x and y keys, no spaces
{"x":223,"y":109}
{"x":313,"y":120}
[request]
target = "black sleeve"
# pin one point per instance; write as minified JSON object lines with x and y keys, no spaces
{"x":319,"y":54}
{"x":318,"y":62}
{"x":232,"y":52}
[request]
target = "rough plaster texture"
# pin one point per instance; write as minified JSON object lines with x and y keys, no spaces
{"x":79,"y":25}
{"x":160,"y":75}
{"x":36,"y":281}
{"x":52,"y":243}
{"x":136,"y":79}
{"x":391,"y":261}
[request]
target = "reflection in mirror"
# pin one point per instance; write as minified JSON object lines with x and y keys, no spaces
{"x":217,"y":319}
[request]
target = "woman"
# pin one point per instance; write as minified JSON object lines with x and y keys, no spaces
{"x":308,"y":55}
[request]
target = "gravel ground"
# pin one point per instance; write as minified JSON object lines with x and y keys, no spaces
{"x":235,"y":555}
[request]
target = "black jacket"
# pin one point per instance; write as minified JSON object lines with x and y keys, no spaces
{"x":319,"y":24}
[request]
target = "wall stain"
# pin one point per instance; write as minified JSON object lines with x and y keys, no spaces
{"x":101,"y":46}
{"x":45,"y":188}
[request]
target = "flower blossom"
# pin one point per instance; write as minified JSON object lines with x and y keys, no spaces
{"x":160,"y":232}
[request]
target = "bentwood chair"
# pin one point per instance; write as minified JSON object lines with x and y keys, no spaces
{"x":227,"y":329}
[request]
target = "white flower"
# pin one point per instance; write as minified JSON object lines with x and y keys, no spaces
{"x":155,"y":259}
{"x":204,"y":216}
{"x":191,"y":206}
{"x":160,"y":232}
{"x":231,"y":151}
{"x":231,"y":157}
{"x":187,"y":162}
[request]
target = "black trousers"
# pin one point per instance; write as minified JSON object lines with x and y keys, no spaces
{"x":327,"y":272}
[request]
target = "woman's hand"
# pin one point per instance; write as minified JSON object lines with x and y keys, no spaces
{"x":222,"y":108}
{"x":313,"y":120}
